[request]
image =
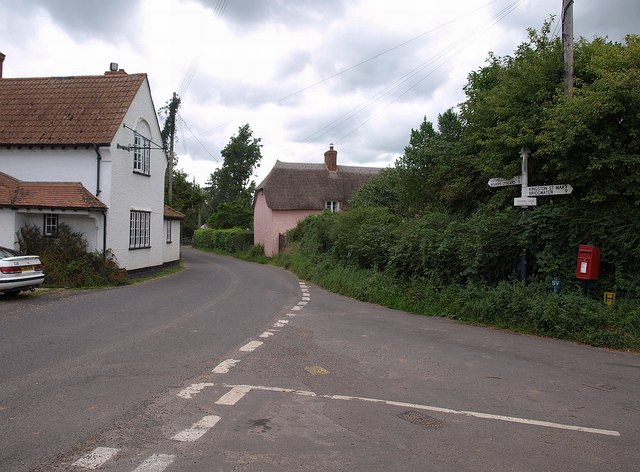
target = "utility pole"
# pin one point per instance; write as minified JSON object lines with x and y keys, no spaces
{"x":173,"y":107}
{"x":567,"y":45}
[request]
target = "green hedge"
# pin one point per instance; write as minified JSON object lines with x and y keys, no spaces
{"x":230,"y":240}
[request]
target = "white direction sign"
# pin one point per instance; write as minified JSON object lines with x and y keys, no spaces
{"x":497,"y":182}
{"x":525,"y":201}
{"x":542,"y":190}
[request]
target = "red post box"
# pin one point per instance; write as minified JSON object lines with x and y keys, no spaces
{"x":588,"y":262}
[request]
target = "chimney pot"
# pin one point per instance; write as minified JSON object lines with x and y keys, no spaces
{"x":2,"y":56}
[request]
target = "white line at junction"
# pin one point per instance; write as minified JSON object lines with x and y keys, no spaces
{"x":475,"y":414}
{"x":233,"y":396}
{"x":155,"y":463}
{"x":96,"y":458}
{"x":197,"y":430}
{"x":193,"y":389}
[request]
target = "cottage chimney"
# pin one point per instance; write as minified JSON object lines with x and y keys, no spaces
{"x":331,"y":159}
{"x":2,"y":56}
{"x":113,"y":70}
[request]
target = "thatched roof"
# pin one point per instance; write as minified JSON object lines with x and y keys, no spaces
{"x":294,"y":186}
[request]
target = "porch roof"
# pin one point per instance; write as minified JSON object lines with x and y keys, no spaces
{"x":16,"y":193}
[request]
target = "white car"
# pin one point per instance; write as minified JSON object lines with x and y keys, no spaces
{"x":19,"y":272}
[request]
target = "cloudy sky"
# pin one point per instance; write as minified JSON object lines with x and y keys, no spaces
{"x":301,"y":73}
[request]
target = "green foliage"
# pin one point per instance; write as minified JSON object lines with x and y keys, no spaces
{"x":65,"y":259}
{"x":231,"y":240}
{"x":188,"y":199}
{"x":232,"y":182}
{"x":234,"y":214}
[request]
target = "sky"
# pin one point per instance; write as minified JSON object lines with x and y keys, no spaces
{"x":302,"y":73}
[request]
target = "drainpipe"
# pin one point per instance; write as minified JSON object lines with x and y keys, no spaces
{"x":104,"y":234}
{"x":98,"y":159}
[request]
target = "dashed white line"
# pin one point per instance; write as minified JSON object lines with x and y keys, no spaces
{"x":306,"y":299}
{"x":155,"y":463}
{"x":296,"y":308}
{"x":233,"y":396}
{"x":193,"y":389}
{"x":302,"y":303}
{"x":96,"y":458}
{"x":266,"y":334}
{"x":250,"y":346}
{"x":416,"y":406}
{"x":224,"y":366}
{"x":291,"y":315}
{"x":197,"y":430}
{"x":281,"y":323}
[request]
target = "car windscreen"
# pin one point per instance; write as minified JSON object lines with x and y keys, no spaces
{"x":4,"y":252}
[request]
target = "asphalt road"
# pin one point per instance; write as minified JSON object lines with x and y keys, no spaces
{"x":72,"y":364}
{"x":267,"y":373}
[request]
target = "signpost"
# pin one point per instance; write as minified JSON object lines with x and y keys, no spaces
{"x":497,"y":182}
{"x":528,"y":196}
{"x":544,"y":190}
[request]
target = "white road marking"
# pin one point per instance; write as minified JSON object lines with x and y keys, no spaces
{"x":233,"y":396}
{"x":306,"y":299}
{"x":96,"y":458}
{"x":197,"y":430}
{"x":156,"y":463}
{"x":281,"y":323}
{"x":302,"y":303}
{"x":266,"y":334}
{"x":296,"y":308}
{"x":193,"y":389}
{"x":224,"y":366}
{"x":291,"y":315}
{"x":416,"y":406}
{"x":250,"y":346}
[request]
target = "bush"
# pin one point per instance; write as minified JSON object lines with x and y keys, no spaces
{"x":66,"y":262}
{"x":229,"y":240}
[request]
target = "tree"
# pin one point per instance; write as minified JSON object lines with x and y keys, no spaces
{"x":168,"y":132}
{"x":188,"y":198}
{"x":232,"y":182}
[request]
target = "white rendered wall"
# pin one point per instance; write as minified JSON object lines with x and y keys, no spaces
{"x":130,"y":191}
{"x":172,"y":249}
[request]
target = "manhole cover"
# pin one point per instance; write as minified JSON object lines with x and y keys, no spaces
{"x":316,"y":370}
{"x":421,"y":419}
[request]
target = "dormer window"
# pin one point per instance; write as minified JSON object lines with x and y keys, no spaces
{"x":332,"y":205}
{"x":141,"y":155}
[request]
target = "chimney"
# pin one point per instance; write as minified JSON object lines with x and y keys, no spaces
{"x":2,"y":56}
{"x":113,"y":70}
{"x":331,"y":159}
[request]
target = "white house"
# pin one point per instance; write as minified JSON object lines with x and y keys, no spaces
{"x":86,"y":151}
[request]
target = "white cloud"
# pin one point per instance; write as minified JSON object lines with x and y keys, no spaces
{"x":280,"y":65}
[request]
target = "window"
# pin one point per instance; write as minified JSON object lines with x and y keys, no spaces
{"x":332,"y":206}
{"x":50,"y":224}
{"x":139,"y":229}
{"x":141,"y":154}
{"x":168,"y":231}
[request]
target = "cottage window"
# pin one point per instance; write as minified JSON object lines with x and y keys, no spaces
{"x":332,"y":206}
{"x":141,"y":155}
{"x":50,"y":224}
{"x":168,"y":231}
{"x":139,"y":229}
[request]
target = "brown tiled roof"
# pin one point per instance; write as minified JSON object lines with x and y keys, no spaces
{"x":171,"y":214}
{"x":82,"y":110}
{"x":16,"y":193}
{"x":294,"y":186}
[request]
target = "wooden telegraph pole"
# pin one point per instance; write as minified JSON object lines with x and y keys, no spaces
{"x":173,"y":107}
{"x":567,"y":45}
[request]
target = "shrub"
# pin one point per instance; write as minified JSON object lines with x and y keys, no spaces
{"x":65,"y":259}
{"x":229,"y":240}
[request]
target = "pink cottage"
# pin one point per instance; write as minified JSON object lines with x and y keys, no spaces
{"x":293,"y":191}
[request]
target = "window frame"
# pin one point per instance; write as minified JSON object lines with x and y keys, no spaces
{"x":51,"y":222}
{"x":141,"y":154}
{"x":332,"y":205}
{"x":169,"y":231}
{"x":139,"y":229}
